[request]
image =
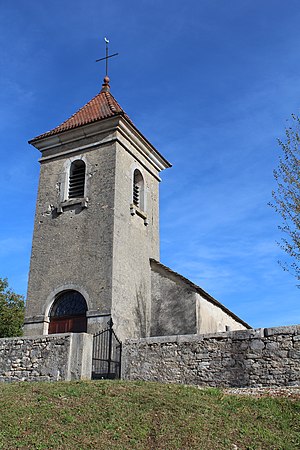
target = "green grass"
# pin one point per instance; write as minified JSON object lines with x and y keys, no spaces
{"x":137,"y":415}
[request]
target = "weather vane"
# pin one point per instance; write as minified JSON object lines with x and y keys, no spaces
{"x":106,"y":57}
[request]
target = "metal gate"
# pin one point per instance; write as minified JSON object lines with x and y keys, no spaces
{"x":107,"y":352}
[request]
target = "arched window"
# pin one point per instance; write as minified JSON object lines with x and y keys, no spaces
{"x":138,"y":190}
{"x":68,"y":313}
{"x":77,"y":179}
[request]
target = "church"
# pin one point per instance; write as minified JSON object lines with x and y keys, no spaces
{"x":95,"y":249}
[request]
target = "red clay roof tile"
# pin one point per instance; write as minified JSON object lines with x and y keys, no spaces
{"x":102,"y":106}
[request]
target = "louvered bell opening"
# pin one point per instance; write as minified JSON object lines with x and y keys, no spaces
{"x":77,"y":179}
{"x":136,"y":195}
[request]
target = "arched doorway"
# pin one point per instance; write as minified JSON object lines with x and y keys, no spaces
{"x":68,"y":313}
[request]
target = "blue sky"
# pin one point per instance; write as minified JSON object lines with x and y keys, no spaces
{"x":209,"y":83}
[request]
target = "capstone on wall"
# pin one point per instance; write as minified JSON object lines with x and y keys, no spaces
{"x":46,"y":358}
{"x":262,"y":357}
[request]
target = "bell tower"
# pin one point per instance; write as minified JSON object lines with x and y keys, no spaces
{"x":96,"y":224}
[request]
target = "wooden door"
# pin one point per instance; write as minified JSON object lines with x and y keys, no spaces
{"x":68,"y":325}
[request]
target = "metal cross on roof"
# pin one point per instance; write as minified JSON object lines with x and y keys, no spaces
{"x":106,"y":57}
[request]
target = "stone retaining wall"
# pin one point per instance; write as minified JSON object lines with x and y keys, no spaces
{"x":46,"y":358}
{"x":262,"y":357}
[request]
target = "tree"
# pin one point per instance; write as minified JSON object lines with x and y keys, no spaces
{"x":11,"y":311}
{"x":287,"y":196}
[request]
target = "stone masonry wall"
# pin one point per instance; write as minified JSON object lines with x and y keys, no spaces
{"x":46,"y":358}
{"x":262,"y":357}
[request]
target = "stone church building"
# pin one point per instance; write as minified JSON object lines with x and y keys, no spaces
{"x":95,"y":250}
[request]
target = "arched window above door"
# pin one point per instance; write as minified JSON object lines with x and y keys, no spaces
{"x":69,"y":303}
{"x":68,"y":313}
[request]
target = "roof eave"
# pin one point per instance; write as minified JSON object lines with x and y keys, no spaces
{"x":55,"y":132}
{"x":201,"y":291}
{"x":53,"y":139}
{"x":164,"y":163}
{"x":43,"y":142}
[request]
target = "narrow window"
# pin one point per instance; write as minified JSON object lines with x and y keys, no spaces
{"x":77,"y":179}
{"x":138,"y":189}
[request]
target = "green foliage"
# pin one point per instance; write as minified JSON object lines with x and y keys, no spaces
{"x":142,"y":416}
{"x":11,"y":311}
{"x":287,"y":196}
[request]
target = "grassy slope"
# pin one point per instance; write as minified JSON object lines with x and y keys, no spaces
{"x":137,"y":415}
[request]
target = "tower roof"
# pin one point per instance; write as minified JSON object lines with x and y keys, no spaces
{"x":102,"y":106}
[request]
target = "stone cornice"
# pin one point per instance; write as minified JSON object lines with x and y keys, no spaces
{"x":117,"y":128}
